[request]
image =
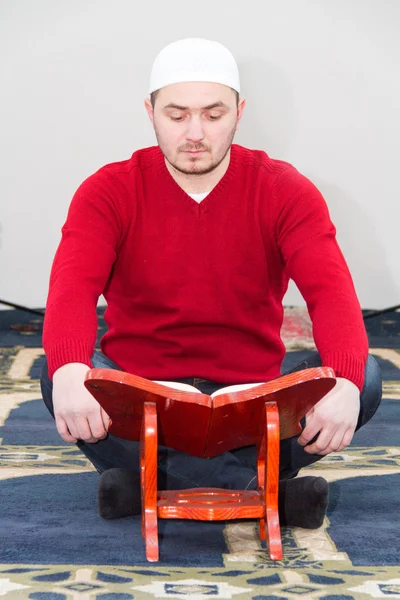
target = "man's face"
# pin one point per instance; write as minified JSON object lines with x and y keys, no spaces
{"x":195,"y":124}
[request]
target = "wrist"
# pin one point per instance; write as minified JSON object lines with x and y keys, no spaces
{"x":70,"y":370}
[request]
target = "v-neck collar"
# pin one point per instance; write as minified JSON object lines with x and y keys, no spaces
{"x":172,"y":187}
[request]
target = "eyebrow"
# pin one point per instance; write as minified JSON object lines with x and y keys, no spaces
{"x":209,"y":107}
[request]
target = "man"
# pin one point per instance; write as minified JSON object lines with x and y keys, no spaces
{"x":192,"y":242}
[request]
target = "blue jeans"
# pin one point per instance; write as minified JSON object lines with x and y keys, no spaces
{"x":232,"y":470}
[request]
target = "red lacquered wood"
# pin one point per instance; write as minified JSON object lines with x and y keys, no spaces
{"x":236,"y":417}
{"x":198,"y":424}
{"x":272,"y":438}
{"x":209,"y":504}
{"x":203,"y":426}
{"x":148,"y":454}
{"x":183,"y":417}
{"x":261,"y":466}
{"x":142,"y":475}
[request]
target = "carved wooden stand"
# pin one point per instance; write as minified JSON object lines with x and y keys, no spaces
{"x":260,"y":416}
{"x":212,"y":504}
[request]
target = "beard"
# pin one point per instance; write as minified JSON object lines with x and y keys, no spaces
{"x":195,"y":168}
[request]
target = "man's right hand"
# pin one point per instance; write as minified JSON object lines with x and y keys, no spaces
{"x":77,"y":413}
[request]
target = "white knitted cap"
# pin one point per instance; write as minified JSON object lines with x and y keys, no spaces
{"x":194,"y":59}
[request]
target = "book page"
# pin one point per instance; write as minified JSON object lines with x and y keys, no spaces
{"x":177,"y":385}
{"x":234,"y":388}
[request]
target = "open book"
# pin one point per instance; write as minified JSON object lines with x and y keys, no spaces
{"x":186,"y":387}
{"x":205,"y":425}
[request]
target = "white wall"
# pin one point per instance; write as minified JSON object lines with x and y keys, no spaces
{"x":321,"y":78}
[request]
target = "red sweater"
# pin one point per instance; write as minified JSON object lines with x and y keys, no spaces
{"x":196,"y":289}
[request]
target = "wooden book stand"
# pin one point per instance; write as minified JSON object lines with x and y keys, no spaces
{"x":203,"y":426}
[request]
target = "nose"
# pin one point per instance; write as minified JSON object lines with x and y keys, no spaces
{"x":194,"y":132}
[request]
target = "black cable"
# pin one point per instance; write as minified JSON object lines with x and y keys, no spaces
{"x":31,"y":310}
{"x":376,"y":313}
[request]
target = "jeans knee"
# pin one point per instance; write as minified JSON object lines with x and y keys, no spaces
{"x":46,"y":387}
{"x":101,"y":361}
{"x":371,"y":394}
{"x":373,"y":378}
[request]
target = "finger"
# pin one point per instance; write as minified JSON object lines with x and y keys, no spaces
{"x":106,"y":419}
{"x":97,"y":426}
{"x":71,"y":426}
{"x":334,"y":444}
{"x":337,"y":440}
{"x":84,"y":431}
{"x":63,"y":430}
{"x":311,"y":429}
{"x":322,"y":443}
{"x":348,"y":436}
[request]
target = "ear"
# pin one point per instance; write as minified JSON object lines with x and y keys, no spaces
{"x":241,"y":105}
{"x":149,"y":108}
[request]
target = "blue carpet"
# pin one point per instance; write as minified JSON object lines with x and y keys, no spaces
{"x":54,"y":546}
{"x":53,"y":518}
{"x":369,"y":508}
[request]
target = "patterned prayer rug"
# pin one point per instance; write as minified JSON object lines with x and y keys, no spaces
{"x":54,"y":546}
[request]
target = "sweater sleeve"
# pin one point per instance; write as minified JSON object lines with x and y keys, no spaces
{"x":80,"y":270}
{"x":312,"y":258}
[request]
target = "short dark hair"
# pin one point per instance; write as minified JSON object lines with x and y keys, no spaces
{"x":153,"y":97}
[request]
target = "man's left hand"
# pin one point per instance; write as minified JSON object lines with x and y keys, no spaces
{"x":334,"y":418}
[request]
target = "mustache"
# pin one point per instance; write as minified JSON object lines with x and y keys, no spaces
{"x":196,"y":148}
